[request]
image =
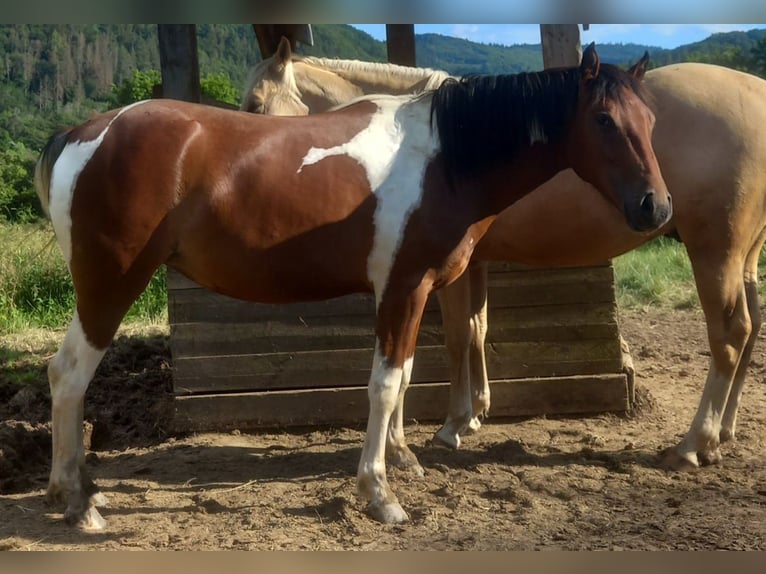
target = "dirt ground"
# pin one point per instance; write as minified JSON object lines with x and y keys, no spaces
{"x":539,"y":483}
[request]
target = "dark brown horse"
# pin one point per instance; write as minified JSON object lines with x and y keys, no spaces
{"x":367,"y":198}
{"x":719,"y":199}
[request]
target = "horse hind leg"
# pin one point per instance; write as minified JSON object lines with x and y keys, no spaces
{"x":477,"y":358}
{"x":722,"y":295}
{"x":398,"y":454}
{"x":69,"y":374}
{"x":102,"y":301}
{"x":729,"y":420}
{"x":454,"y":301}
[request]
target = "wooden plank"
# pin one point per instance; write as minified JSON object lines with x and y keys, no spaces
{"x":348,"y":367}
{"x":200,"y":305}
{"x":500,"y":273}
{"x":426,"y":402}
{"x":546,"y":323}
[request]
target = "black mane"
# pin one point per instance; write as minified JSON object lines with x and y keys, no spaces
{"x":484,"y":119}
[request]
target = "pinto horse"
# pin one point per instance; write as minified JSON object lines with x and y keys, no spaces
{"x":719,"y":202}
{"x":387,"y":195}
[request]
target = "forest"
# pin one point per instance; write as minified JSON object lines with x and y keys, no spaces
{"x":57,"y":75}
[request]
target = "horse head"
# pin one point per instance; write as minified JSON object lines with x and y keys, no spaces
{"x":610,"y":143}
{"x":273,"y":90}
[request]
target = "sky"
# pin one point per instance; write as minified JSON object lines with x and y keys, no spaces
{"x":659,"y":35}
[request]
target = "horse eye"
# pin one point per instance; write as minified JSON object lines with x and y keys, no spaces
{"x":604,"y":120}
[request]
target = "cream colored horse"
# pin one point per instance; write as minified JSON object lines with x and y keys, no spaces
{"x":710,"y":147}
{"x":326,"y":82}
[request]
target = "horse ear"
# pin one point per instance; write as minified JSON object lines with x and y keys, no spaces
{"x":283,"y":54}
{"x":590,"y":65}
{"x":638,"y":69}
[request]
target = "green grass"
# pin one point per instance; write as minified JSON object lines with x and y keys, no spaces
{"x":656,"y":274}
{"x":36,"y":290}
{"x":659,"y":274}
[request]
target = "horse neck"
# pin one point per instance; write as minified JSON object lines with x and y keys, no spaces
{"x":322,"y":89}
{"x":511,"y":180}
{"x":370,"y":77}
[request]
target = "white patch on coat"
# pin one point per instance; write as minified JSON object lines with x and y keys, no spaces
{"x":394,"y":150}
{"x":70,"y":163}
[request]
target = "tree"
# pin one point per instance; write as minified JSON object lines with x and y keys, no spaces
{"x":219,"y":87}
{"x":18,"y":200}
{"x":135,"y":88}
{"x":758,"y":57}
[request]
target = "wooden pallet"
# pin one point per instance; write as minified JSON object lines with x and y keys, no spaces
{"x":552,"y":347}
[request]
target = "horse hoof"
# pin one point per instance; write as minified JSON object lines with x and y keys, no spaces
{"x":473,"y":426}
{"x":710,"y":458}
{"x":671,"y":459}
{"x":89,"y":520}
{"x":388,"y":513}
{"x":445,"y":438}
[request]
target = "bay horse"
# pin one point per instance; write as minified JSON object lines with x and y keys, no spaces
{"x":719,"y":205}
{"x":388,"y":195}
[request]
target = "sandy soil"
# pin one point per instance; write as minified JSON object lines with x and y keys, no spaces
{"x":539,"y":483}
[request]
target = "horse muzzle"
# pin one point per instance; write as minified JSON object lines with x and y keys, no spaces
{"x":648,"y":212}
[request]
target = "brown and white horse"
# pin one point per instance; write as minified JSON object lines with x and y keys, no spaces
{"x":387,"y":195}
{"x":713,"y":157}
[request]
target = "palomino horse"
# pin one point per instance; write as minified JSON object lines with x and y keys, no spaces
{"x":719,"y":197}
{"x":326,"y":82}
{"x":368,"y":198}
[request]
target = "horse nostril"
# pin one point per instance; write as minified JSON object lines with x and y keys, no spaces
{"x":647,"y":202}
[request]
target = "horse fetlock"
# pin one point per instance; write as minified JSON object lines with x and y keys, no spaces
{"x":473,"y":426}
{"x":710,"y":457}
{"x":727,"y":434}
{"x":403,"y":458}
{"x":55,"y":495}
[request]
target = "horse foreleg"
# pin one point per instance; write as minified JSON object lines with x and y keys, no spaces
{"x":723,"y":299}
{"x":396,"y":333}
{"x":69,"y":374}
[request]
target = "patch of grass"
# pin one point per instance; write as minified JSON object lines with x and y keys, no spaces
{"x":36,"y":289}
{"x":656,"y":274}
{"x":659,"y":274}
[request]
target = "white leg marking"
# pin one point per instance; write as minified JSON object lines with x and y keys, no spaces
{"x":69,"y":374}
{"x":67,"y":168}
{"x":703,"y":436}
{"x":373,"y":486}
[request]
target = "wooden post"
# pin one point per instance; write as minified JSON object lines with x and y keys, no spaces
{"x":178,"y":61}
{"x":268,"y":36}
{"x":400,"y":43}
{"x":561,"y":45}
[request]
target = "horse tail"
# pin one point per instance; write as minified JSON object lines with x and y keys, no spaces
{"x":44,"y":167}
